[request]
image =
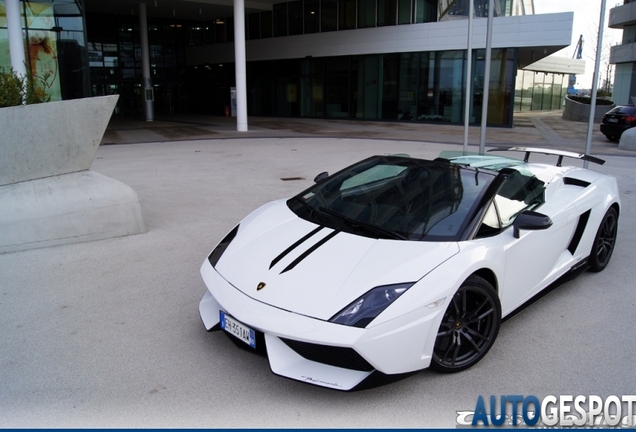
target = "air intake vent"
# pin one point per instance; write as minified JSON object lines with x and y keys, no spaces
{"x":346,"y":358}
{"x":575,"y":182}
{"x":578,"y":233}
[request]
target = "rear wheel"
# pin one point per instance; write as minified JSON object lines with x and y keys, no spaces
{"x":604,"y":241}
{"x":612,"y":138}
{"x":469,"y":327}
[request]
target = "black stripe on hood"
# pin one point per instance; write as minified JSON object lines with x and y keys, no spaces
{"x":309,"y":251}
{"x":294,"y":246}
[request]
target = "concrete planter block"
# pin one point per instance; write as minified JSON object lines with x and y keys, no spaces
{"x":52,"y":138}
{"x":628,"y":140}
{"x":48,"y":195}
{"x":577,"y":111}
{"x":68,"y":208}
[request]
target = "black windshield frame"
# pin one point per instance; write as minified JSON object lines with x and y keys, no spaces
{"x":410,"y":199}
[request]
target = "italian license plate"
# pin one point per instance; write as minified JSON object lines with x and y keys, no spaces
{"x":612,"y":120}
{"x":238,"y":329}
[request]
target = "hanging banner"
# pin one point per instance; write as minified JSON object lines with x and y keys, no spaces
{"x":41,"y":49}
{"x":5,"y":55}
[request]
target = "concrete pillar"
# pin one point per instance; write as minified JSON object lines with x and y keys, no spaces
{"x":239,"y":56}
{"x":148,"y":93}
{"x":16,"y":40}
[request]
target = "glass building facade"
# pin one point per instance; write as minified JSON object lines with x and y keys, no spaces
{"x":420,"y":86}
{"x":540,"y":91}
{"x":409,"y":87}
{"x":55,"y":46}
{"x":114,"y":53}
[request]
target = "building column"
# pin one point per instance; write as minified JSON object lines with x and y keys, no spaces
{"x":239,"y":57}
{"x":148,"y":91}
{"x":16,"y":40}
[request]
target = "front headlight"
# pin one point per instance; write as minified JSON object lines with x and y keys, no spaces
{"x":362,"y":311}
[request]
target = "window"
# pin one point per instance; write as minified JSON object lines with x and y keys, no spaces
{"x":366,"y":13}
{"x":329,"y":15}
{"x":519,"y":192}
{"x":254,"y":26}
{"x":404,"y":11}
{"x":347,"y":14}
{"x":220,"y":31}
{"x":266,"y":24}
{"x":280,"y":19}
{"x":387,"y":12}
{"x":312,"y":16}
{"x":295,"y":17}
{"x":425,"y":11}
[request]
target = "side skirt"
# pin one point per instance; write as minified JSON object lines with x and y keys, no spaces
{"x":573,"y":273}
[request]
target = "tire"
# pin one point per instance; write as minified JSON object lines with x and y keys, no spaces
{"x":604,"y":241}
{"x":469,"y":327}
{"x":612,"y":138}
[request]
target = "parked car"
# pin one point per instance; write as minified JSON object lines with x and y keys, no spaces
{"x":395,"y":264}
{"x":618,"y":120}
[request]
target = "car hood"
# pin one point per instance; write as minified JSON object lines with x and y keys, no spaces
{"x":290,"y":263}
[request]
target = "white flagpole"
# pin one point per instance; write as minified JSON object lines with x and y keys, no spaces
{"x":484,"y":105}
{"x":599,"y":45}
{"x":469,"y":64}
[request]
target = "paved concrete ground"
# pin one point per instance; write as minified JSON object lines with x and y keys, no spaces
{"x":107,"y":333}
{"x":531,"y":128}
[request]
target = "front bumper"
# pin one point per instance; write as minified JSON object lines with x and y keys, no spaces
{"x":404,"y":344}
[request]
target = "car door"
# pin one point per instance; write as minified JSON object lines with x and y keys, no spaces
{"x":532,"y":257}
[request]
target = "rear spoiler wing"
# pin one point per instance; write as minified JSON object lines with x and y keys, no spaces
{"x":561,"y":154}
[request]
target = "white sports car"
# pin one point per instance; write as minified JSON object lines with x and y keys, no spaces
{"x":395,"y":264}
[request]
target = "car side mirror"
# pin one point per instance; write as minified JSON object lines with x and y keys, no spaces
{"x":320,"y":177}
{"x":530,"y":220}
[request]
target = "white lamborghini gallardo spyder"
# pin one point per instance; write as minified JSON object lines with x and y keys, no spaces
{"x":395,"y":264}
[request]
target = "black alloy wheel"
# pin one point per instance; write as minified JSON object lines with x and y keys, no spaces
{"x":604,"y":241}
{"x":469,"y":327}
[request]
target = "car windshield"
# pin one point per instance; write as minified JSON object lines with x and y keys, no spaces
{"x":396,"y":197}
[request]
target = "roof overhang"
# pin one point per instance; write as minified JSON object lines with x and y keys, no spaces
{"x":555,"y":64}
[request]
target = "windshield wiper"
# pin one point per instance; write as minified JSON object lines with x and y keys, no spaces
{"x":312,"y":211}
{"x":373,"y":229}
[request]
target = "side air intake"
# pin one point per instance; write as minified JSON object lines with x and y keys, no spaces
{"x":578,"y":233}
{"x":575,"y":182}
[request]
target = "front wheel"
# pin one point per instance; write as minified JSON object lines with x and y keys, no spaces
{"x":469,"y":327}
{"x":604,"y":241}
